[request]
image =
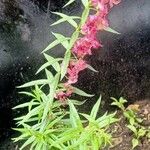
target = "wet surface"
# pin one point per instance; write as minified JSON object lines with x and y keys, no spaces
{"x":123,"y":62}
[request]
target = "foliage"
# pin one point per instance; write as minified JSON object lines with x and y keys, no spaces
{"x":64,"y":129}
{"x":133,"y":122}
{"x":48,"y":124}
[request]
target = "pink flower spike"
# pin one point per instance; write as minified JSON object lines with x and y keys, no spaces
{"x":60,"y":95}
{"x":74,"y":69}
{"x":114,"y":2}
{"x":90,"y":26}
{"x":84,"y":45}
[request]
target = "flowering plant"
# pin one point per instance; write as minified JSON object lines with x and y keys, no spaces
{"x":47,"y":124}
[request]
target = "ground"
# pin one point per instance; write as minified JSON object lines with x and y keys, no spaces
{"x":122,"y":136}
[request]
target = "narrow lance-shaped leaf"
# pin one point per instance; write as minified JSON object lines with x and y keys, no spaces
{"x":68,"y":19}
{"x":29,"y":141}
{"x":59,"y":21}
{"x":86,"y":134}
{"x":28,"y":94}
{"x":76,"y":102}
{"x":73,"y":23}
{"x":26,"y":105}
{"x":74,"y":117}
{"x":56,"y":42}
{"x":69,"y":2}
{"x":32,"y":147}
{"x":107,"y":120}
{"x":80,"y":92}
{"x":33,"y":83}
{"x":50,"y":63}
{"x":66,"y":16}
{"x":91,"y":68}
{"x":85,"y":3}
{"x":63,"y":40}
{"x":51,"y":96}
{"x":51,"y":45}
{"x":111,"y":30}
{"x":95,"y":108}
{"x":73,"y":39}
{"x":39,"y":146}
{"x":32,"y":113}
{"x":49,"y":75}
{"x":85,"y":15}
{"x":51,"y":59}
{"x":65,"y":63}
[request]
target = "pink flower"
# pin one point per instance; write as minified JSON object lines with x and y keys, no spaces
{"x":63,"y":95}
{"x":90,"y":26}
{"x":95,"y":22}
{"x":101,"y":3}
{"x":84,"y":45}
{"x":74,"y":69}
{"x":114,"y":2}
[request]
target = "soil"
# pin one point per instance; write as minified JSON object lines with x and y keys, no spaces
{"x":122,"y":136}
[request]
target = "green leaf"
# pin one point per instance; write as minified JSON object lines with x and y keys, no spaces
{"x":50,"y":97}
{"x":80,"y":92}
{"x":85,"y":15}
{"x":119,"y":103}
{"x":29,"y":141}
{"x":26,"y":105}
{"x":76,"y":102}
{"x":73,"y":23}
{"x":53,"y":63}
{"x":111,"y":30}
{"x":85,"y":3}
{"x":62,"y":39}
{"x":61,"y":14}
{"x":49,"y":75}
{"x":39,"y":146}
{"x":33,"y":112}
{"x":132,"y":120}
{"x":64,"y":18}
{"x":95,"y":143}
{"x":28,"y":94}
{"x":69,"y":2}
{"x":59,"y":39}
{"x":65,"y":63}
{"x":133,"y":129}
{"x":148,"y":134}
{"x":135,"y":143}
{"x":74,"y":117}
{"x":58,"y":119}
{"x":95,"y":108}
{"x":84,"y":136}
{"x":106,"y":120}
{"x":59,"y":21}
{"x":51,"y":45}
{"x":73,"y":39}
{"x":66,"y":136}
{"x":32,"y":147}
{"x":89,"y":118}
{"x":91,"y":68}
{"x":33,"y":83}
{"x":122,"y":100}
{"x":141,"y":132}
